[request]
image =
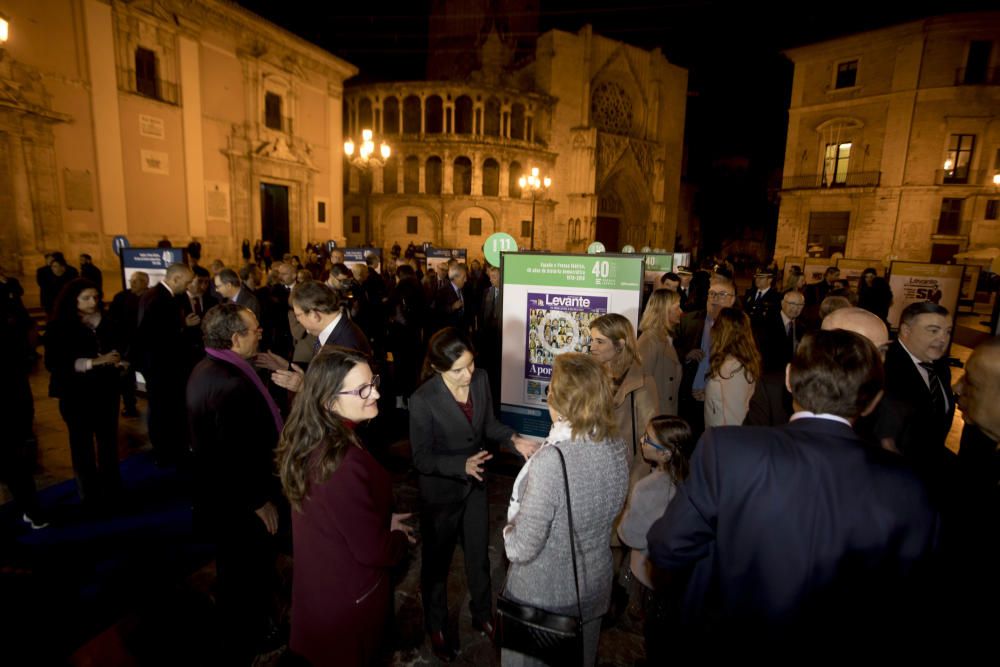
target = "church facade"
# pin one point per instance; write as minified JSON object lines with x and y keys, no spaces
{"x":604,"y":120}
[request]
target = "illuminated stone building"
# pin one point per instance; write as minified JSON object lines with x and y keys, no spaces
{"x":893,"y":143}
{"x":603,"y":119}
{"x":157,"y":118}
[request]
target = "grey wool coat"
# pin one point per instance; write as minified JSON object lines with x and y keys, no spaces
{"x":537,"y":538}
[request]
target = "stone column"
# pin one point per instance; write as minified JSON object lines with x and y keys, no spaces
{"x":335,"y":128}
{"x":107,"y":119}
{"x":423,"y":114}
{"x":194,"y":159}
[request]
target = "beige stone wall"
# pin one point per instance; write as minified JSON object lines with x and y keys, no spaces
{"x":73,"y":149}
{"x":900,"y":117}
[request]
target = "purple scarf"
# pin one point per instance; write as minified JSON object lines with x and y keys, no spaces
{"x":231,"y":357}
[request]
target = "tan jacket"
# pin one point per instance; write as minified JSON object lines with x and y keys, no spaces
{"x":636,"y":402}
{"x":659,"y":360}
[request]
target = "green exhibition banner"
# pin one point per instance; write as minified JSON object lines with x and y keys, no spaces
{"x":548,"y":302}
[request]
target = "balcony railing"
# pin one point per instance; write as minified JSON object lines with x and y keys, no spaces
{"x":161,"y":90}
{"x":989,"y":76}
{"x":963,"y":176}
{"x":855,"y":179}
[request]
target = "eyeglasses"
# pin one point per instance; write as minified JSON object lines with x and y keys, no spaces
{"x":719,"y":295}
{"x":646,"y":440}
{"x":364,"y":391}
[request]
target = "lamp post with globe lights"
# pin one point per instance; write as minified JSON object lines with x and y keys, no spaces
{"x":536,"y":185}
{"x":365,"y":158}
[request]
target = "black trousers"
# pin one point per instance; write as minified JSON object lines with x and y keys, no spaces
{"x":93,"y":418}
{"x":166,"y":414}
{"x":128,"y":390}
{"x":245,"y":582}
{"x":17,"y":466}
{"x":442,"y":525}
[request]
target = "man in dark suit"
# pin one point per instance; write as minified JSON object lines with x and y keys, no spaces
{"x":919,"y":405}
{"x":234,"y":427}
{"x":194,"y":303}
{"x":277,"y":332}
{"x":124,"y":313}
{"x":229,"y":286}
{"x":777,"y":338}
{"x":761,"y":301}
{"x":51,"y":283}
{"x":693,"y":343}
{"x":161,"y":354}
{"x":449,"y":301}
{"x":489,"y":333}
{"x":90,"y":271}
{"x":802,"y":532}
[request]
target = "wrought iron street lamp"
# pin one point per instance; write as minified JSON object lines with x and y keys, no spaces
{"x":364,"y":157}
{"x":536,"y":185}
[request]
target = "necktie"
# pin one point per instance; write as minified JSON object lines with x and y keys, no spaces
{"x":316,"y":346}
{"x":197,"y":306}
{"x":791,"y":335}
{"x":937,"y":398}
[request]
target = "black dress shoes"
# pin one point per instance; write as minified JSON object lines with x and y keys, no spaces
{"x":442,"y":649}
{"x":487,"y":628}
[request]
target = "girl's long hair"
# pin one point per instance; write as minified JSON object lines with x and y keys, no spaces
{"x":733,"y":337}
{"x":675,"y":434}
{"x":65,"y":307}
{"x":315,"y":438}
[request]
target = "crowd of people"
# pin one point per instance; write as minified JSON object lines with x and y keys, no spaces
{"x":758,"y":467}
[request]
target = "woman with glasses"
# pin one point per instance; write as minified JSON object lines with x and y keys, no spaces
{"x":537,"y":536}
{"x":734,"y":368}
{"x":451,"y":425}
{"x":345,"y":536}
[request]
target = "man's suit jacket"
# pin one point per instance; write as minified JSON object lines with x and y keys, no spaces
{"x":444,"y":301}
{"x":906,"y":415}
{"x":442,"y":438}
{"x":193,"y":335}
{"x":278,"y":336}
{"x":777,"y":345}
{"x":348,"y":334}
{"x":761,"y":309}
{"x":796,"y":530}
{"x":159,"y":346}
{"x":233,"y":438}
{"x":247,"y":299}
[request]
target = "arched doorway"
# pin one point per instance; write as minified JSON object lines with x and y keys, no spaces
{"x":623,"y":210}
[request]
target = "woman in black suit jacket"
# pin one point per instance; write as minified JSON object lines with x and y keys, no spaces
{"x":84,"y":365}
{"x":451,"y":423}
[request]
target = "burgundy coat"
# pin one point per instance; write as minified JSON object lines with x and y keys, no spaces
{"x":343,"y":552}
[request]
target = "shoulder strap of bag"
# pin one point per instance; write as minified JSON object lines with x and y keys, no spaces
{"x":572,"y":541}
{"x":635,"y":450}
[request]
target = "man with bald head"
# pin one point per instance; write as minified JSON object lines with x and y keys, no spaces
{"x":161,"y":353}
{"x":861,"y":322}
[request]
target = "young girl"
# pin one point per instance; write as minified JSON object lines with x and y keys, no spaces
{"x":666,"y":445}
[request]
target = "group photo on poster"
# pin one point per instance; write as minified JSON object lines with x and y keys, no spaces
{"x":556,"y":324}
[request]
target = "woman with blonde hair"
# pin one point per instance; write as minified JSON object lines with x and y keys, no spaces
{"x":345,"y":536}
{"x":656,"y":347}
{"x":734,"y":368}
{"x":613,"y":343}
{"x":537,"y":538}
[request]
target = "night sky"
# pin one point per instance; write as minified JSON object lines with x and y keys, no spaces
{"x":739,"y":83}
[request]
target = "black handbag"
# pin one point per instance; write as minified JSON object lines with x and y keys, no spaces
{"x":556,"y":639}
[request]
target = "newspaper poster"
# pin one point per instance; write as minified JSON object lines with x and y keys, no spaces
{"x":815,"y":267}
{"x":557,"y":323}
{"x":548,"y":305}
{"x":153,"y":261}
{"x":656,"y":265}
{"x":438,"y":256}
{"x":912,"y":282}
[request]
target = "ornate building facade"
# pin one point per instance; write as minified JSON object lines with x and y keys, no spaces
{"x":153,"y":118}
{"x":893,"y":147}
{"x":603,"y":119}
